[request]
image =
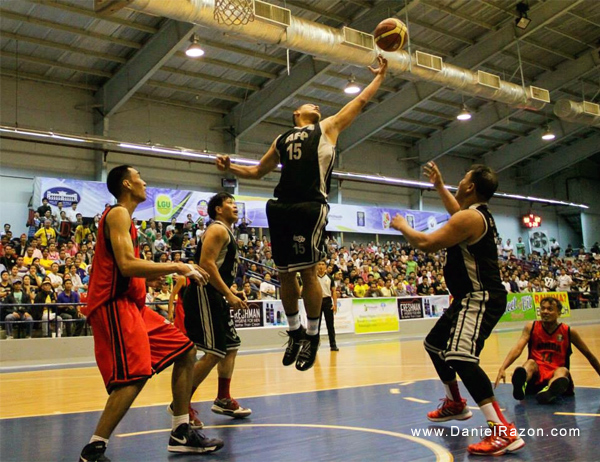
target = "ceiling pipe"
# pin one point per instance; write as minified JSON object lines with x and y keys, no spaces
{"x":582,"y":113}
{"x":327,"y":43}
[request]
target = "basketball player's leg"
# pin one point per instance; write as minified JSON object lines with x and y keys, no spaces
{"x":312,"y":294}
{"x":290,"y":293}
{"x":522,"y":377}
{"x":559,"y":384}
{"x":225,"y":404}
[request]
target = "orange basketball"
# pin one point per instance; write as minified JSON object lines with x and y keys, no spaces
{"x":391,"y":34}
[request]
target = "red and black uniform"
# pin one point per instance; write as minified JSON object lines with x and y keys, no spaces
{"x":132,"y":342}
{"x":550,"y":350}
{"x":179,"y":320}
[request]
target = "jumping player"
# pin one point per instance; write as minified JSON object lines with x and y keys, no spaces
{"x":207,"y":307}
{"x":546,"y":371}
{"x":298,"y":217}
{"x":132,"y":342}
{"x":473,"y":277}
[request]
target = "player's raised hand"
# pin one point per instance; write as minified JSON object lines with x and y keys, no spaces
{"x":432,"y":171}
{"x":397,"y":222}
{"x":501,"y":376}
{"x":223,"y":163}
{"x":381,"y":70}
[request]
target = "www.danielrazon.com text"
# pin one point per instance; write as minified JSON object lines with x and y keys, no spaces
{"x":483,"y":432}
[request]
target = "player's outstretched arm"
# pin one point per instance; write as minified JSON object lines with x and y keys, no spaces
{"x":467,"y":225}
{"x":581,"y":346}
{"x":514,"y":353}
{"x":335,"y":124}
{"x":181,"y":281}
{"x":267,"y":164}
{"x":118,"y":222}
{"x":214,"y":240}
{"x":432,"y":171}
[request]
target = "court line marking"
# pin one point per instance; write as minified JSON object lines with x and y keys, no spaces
{"x":441,"y":453}
{"x":395,"y":391}
{"x":416,"y":400}
{"x":581,"y":414}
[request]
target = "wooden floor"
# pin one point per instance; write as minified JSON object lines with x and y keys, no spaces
{"x":362,"y":379}
{"x":357,"y":364}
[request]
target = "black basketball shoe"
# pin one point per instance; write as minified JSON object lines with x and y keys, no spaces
{"x":308,"y":352}
{"x":94,"y":452}
{"x":184,"y":439}
{"x":293,"y":345}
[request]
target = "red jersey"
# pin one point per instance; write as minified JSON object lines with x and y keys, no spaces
{"x":106,"y":281}
{"x":553,"y":349}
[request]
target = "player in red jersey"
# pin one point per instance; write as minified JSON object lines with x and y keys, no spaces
{"x":132,"y":342}
{"x":546,"y":371}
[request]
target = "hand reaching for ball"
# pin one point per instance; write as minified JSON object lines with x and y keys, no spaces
{"x":223,"y":163}
{"x":432,"y":171}
{"x":381,"y":70}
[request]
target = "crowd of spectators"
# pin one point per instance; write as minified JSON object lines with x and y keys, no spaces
{"x":45,"y":272}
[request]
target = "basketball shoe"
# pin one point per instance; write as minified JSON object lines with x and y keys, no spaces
{"x":293,"y":345}
{"x":450,"y":410}
{"x":308,"y":352}
{"x":519,"y":381}
{"x":94,"y":452}
{"x":184,"y":439}
{"x":230,"y":407}
{"x":552,"y":391}
{"x":502,"y":439}
{"x":195,"y":422}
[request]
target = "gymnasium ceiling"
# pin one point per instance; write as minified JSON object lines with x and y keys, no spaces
{"x":67,"y":43}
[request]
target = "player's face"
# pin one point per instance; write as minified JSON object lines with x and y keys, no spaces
{"x":310,"y":112}
{"x":549,"y":312}
{"x":138,"y":186}
{"x":464,"y":187}
{"x":229,"y":210}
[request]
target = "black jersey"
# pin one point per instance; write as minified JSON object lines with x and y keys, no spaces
{"x":227,"y":259}
{"x":474,"y":267}
{"x":306,"y":156}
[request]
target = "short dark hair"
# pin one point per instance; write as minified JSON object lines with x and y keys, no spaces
{"x":485,"y":180}
{"x":553,"y":301}
{"x":114,"y":180}
{"x":217,"y":201}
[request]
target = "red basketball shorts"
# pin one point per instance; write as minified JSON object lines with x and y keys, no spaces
{"x":133,"y":344}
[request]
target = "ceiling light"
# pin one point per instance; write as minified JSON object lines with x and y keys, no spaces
{"x":464,"y":114}
{"x":548,"y":134}
{"x":194,"y":50}
{"x":352,"y":87}
{"x":523,"y":20}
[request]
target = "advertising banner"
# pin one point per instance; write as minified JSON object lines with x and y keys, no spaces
{"x":253,"y":316}
{"x":435,"y":305}
{"x":410,"y":308}
{"x":524,"y":306}
{"x":343,"y":321}
{"x":372,"y":315}
{"x":563,"y":297}
{"x":164,"y":204}
{"x":274,"y":315}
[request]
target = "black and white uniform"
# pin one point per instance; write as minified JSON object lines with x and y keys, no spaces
{"x":298,"y":217}
{"x":473,"y":277}
{"x":207,"y":318}
{"x":327,"y":288}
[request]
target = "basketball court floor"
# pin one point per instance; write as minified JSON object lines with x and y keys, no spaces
{"x":365,"y":403}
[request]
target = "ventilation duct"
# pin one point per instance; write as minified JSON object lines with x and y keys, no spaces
{"x":330,"y":44}
{"x":583,"y":113}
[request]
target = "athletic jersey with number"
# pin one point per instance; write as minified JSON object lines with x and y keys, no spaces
{"x":227,"y":258}
{"x":306,"y":157}
{"x":106,"y":281}
{"x":474,"y":267}
{"x":551,"y":348}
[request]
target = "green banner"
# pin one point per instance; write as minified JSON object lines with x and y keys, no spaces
{"x":524,"y":306}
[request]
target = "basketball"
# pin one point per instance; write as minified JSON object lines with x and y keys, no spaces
{"x":390,"y":34}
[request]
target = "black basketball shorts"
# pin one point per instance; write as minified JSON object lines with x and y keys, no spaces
{"x":297,"y":234}
{"x":208,"y":321}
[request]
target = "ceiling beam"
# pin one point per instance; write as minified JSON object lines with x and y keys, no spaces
{"x":563,"y":158}
{"x":527,"y":146}
{"x":494,"y":42}
{"x":440,"y":143}
{"x":138,"y":70}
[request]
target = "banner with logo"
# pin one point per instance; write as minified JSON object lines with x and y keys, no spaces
{"x":164,"y":204}
{"x":410,"y":308}
{"x":253,"y":316}
{"x":563,"y":297}
{"x":372,"y":315}
{"x":435,"y":305}
{"x":524,"y":306}
{"x":343,"y":321}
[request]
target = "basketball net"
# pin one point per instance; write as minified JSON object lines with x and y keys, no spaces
{"x":234,"y":12}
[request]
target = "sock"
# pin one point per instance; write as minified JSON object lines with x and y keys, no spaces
{"x":294,"y":321}
{"x":177,"y":420}
{"x":452,"y":391}
{"x":224,"y":388}
{"x":313,"y":326}
{"x":95,"y":438}
{"x":492,"y":413}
